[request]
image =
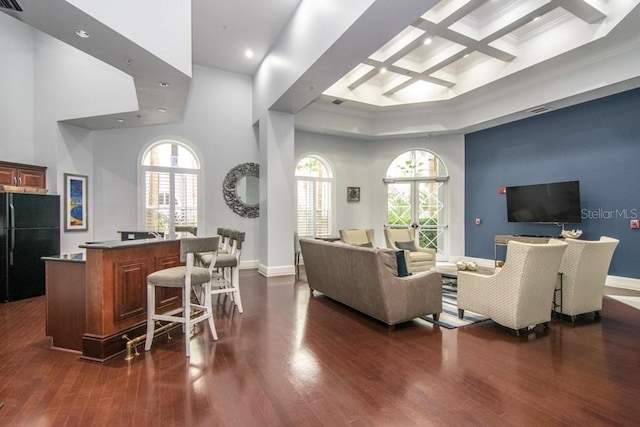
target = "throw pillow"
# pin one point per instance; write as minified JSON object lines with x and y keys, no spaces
{"x":409,"y":246}
{"x":402,"y":264}
{"x":365,"y":245}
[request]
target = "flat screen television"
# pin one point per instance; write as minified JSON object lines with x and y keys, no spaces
{"x":555,"y":202}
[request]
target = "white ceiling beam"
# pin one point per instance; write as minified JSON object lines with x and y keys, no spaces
{"x":354,"y":45}
{"x":582,"y":9}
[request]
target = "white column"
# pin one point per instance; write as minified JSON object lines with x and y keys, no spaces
{"x":277,"y":193}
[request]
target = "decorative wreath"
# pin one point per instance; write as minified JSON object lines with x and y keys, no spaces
{"x":230,"y":189}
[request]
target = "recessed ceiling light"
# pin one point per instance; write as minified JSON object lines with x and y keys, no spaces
{"x":82,"y":34}
{"x":163,"y":84}
{"x":383,"y":70}
{"x":428,"y":40}
{"x":248,"y":53}
{"x":466,"y":55}
{"x":162,"y":109}
{"x":120,"y":120}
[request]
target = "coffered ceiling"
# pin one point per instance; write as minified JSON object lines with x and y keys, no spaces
{"x":459,"y":45}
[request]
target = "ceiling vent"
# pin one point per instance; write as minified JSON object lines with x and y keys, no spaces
{"x":11,"y":5}
{"x":337,"y":101}
{"x":541,"y":109}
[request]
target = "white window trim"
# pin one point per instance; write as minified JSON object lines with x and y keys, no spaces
{"x":332,"y":182}
{"x":141,"y":205}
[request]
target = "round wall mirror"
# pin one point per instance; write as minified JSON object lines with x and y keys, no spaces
{"x":248,"y":190}
{"x":241,"y":189}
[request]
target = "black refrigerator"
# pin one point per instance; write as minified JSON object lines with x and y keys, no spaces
{"x":30,"y":230}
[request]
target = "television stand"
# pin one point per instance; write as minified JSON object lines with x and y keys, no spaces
{"x":503,"y":240}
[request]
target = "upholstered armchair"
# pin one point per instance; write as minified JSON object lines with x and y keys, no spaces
{"x":584,"y":269}
{"x":404,"y":239}
{"x":358,"y":237}
{"x":520,"y":294}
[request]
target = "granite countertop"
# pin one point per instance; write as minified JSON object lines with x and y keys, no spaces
{"x":114,"y":244}
{"x":73,"y":257}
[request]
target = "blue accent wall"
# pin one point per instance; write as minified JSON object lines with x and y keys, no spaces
{"x":597,"y":143}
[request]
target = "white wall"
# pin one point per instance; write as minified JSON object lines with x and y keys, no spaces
{"x":42,"y":83}
{"x":364,"y":164}
{"x":349,"y":160}
{"x":217,"y":123}
{"x":16,"y":91}
{"x":70,"y":83}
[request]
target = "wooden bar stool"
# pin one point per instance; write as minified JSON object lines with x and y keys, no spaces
{"x":186,"y":277}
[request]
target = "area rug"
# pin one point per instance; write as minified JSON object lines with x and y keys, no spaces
{"x":449,"y":316}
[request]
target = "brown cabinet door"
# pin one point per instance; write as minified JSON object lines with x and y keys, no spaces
{"x":23,"y":175}
{"x":32,"y":178}
{"x":8,"y":175}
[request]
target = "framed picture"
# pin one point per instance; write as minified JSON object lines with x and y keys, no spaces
{"x":353,"y":194}
{"x":75,"y":202}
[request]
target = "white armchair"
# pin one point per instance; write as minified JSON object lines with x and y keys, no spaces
{"x":584,"y":270}
{"x":418,"y":259}
{"x":520,"y":294}
{"x":358,"y":237}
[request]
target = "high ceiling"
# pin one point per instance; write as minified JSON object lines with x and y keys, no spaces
{"x":454,"y":48}
{"x":224,"y":30}
{"x":456,"y":51}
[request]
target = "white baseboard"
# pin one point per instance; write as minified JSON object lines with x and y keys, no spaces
{"x":623,"y":282}
{"x":249,"y":264}
{"x":613,"y":281}
{"x":281,"y":270}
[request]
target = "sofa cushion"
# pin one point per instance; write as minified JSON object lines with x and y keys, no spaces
{"x":420,"y":257}
{"x":409,"y":246}
{"x":403,"y":271}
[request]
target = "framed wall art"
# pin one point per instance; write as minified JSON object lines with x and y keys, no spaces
{"x":75,"y":202}
{"x":353,"y":194}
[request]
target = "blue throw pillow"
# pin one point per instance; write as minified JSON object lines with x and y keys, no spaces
{"x":402,"y":264}
{"x":409,"y":246}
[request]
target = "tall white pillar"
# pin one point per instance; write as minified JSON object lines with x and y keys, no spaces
{"x":277,"y":193}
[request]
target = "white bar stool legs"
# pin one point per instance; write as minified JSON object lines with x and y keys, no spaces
{"x":186,"y":277}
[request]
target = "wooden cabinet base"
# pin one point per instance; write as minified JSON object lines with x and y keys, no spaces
{"x":65,"y":289}
{"x":93,"y":304}
{"x":100,"y":349}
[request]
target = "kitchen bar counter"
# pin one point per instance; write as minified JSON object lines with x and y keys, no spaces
{"x":114,"y":290}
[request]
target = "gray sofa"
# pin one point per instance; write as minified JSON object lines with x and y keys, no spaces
{"x":366,"y":279}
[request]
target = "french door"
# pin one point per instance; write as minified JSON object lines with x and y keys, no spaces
{"x":418,"y":203}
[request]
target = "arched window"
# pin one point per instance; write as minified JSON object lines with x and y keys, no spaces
{"x":314,"y":200}
{"x":416,"y":185}
{"x":170,"y":171}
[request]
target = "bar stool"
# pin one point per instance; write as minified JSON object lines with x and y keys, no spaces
{"x":225,"y":240}
{"x":228,"y":280}
{"x":186,"y":277}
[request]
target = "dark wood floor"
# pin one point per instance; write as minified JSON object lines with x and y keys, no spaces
{"x":292,"y":360}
